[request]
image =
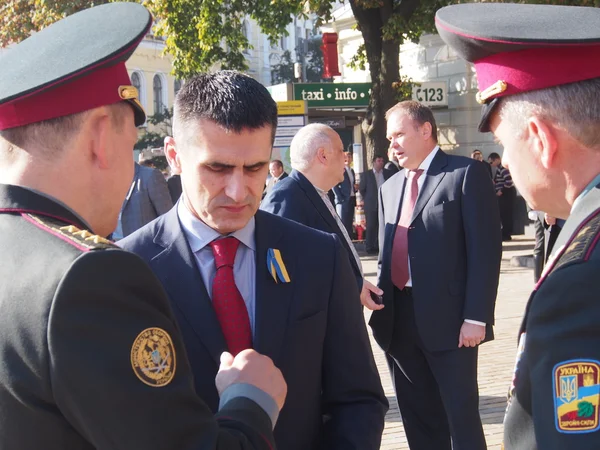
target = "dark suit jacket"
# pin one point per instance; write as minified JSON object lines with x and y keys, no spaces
{"x":368,"y":190}
{"x":312,"y":328}
{"x":174,"y":185}
{"x":271,"y":184}
{"x":343,"y":190}
{"x":390,"y":169}
{"x":455,"y":249}
{"x":297,"y":199}
{"x":148,"y":198}
{"x":73,"y":305}
{"x":561,"y":326}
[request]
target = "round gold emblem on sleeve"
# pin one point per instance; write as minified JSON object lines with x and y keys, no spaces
{"x":153,"y":357}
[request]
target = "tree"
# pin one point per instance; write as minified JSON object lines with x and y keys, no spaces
{"x":283,"y":72}
{"x":203,"y":34}
{"x":162,"y":126}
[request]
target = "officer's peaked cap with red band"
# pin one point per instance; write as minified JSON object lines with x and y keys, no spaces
{"x":520,"y":48}
{"x":74,"y":65}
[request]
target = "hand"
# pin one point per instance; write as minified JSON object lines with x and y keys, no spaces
{"x":499,"y":193}
{"x":471,"y":335}
{"x":549,"y":219}
{"x":365,"y":296}
{"x":252,"y":368}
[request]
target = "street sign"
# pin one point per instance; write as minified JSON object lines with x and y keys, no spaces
{"x":290,"y":121}
{"x":333,"y":122}
{"x":292,"y":108}
{"x":286,"y":131}
{"x":431,"y":94}
{"x":283,"y":141}
{"x":337,"y":95}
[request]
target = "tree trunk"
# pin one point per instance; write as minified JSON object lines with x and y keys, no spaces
{"x":384,"y":66}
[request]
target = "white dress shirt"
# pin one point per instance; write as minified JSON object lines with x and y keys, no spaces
{"x":199,"y":235}
{"x":379,"y":178}
{"x":420,"y":182}
{"x":352,"y":181}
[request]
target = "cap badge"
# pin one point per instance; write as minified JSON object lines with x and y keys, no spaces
{"x":128,"y":92}
{"x":153,"y":357}
{"x":497,"y":88}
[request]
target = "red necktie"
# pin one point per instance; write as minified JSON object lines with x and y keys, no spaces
{"x":400,"y":244}
{"x":227,"y":300}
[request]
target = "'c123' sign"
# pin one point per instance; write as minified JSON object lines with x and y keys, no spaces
{"x":431,"y":94}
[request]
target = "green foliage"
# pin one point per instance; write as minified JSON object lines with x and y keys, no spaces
{"x":283,"y":72}
{"x":161,"y":127}
{"x":404,"y":88}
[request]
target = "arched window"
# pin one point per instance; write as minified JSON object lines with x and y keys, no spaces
{"x":176,"y":86}
{"x":158,"y":95}
{"x":136,"y":82}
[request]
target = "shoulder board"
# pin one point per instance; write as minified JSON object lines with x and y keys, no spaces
{"x":582,"y":244}
{"x":82,"y":239}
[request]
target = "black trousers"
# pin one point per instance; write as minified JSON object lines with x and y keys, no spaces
{"x":539,"y":249}
{"x":372,"y":218}
{"x":437,"y":391}
{"x":348,"y":218}
{"x":506,"y":202}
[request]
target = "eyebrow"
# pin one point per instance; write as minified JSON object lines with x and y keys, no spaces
{"x":221,"y":165}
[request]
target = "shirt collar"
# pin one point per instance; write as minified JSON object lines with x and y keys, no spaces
{"x":588,"y":188}
{"x":426,"y":162}
{"x":199,"y":235}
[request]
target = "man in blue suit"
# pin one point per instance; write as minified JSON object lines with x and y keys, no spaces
{"x":345,"y":195}
{"x":239,"y":278}
{"x":317,"y":157}
{"x":148,"y":197}
{"x":439,"y":267}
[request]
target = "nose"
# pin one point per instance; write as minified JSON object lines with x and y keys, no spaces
{"x":236,"y":187}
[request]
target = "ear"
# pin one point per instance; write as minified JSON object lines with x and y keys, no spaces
{"x":543,"y":139}
{"x":322,"y":156}
{"x":425,"y":130}
{"x":98,"y":127}
{"x":172,"y":155}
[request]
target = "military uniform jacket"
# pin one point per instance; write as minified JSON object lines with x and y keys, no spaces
{"x":554,"y":401}
{"x":91,"y":357}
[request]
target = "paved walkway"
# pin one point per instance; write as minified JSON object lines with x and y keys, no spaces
{"x":496,"y":358}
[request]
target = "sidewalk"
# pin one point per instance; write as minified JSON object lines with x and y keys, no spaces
{"x":496,"y":359}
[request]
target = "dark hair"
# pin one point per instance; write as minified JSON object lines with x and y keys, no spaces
{"x":376,"y":157}
{"x":278,"y":163}
{"x":230,"y":99}
{"x":476,"y":151}
{"x":494,"y":156}
{"x":417,"y":112}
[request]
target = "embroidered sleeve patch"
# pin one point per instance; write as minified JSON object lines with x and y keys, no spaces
{"x":153,"y":357}
{"x":576,"y":396}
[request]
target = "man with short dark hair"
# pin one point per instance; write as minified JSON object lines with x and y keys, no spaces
{"x":370,"y":182}
{"x":91,"y":357}
{"x":539,"y":84}
{"x":478,"y":156}
{"x":277,"y":174}
{"x":240,"y":278}
{"x":439,"y":264}
{"x":506,"y":193}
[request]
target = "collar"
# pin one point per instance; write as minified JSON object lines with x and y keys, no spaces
{"x":199,"y":235}
{"x":426,"y":162}
{"x":64,"y":205}
{"x":588,"y":188}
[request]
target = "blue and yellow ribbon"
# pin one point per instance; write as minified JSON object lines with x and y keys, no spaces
{"x":276,"y":266}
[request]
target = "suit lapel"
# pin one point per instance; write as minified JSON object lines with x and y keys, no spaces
{"x":323,"y":211}
{"x":273,"y":299}
{"x":177,"y":270}
{"x":433,"y":177}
